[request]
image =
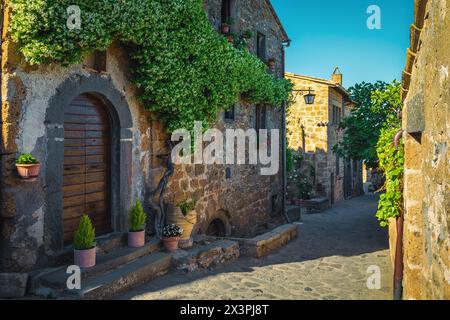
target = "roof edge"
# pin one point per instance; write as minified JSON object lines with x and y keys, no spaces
{"x":277,"y":19}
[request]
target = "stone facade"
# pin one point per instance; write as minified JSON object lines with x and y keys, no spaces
{"x":313,"y":130}
{"x":426,"y":121}
{"x":32,"y":121}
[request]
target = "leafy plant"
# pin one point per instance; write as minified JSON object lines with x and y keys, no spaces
{"x":26,"y":158}
{"x":305,"y":188}
{"x":85,"y":234}
{"x":391,"y":161}
{"x":187,"y":206}
{"x":376,"y":105}
{"x":185,"y":70}
{"x":229,"y":21}
{"x":247,"y":34}
{"x":289,"y":160}
{"x":137,"y":217}
{"x":172,"y":231}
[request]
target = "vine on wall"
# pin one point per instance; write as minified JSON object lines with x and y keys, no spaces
{"x":186,"y":71}
{"x":391,"y":161}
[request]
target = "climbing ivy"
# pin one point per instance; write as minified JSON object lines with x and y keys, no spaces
{"x":185,"y":70}
{"x":391,"y":160}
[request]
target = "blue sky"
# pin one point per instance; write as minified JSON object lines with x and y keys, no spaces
{"x":329,"y":33}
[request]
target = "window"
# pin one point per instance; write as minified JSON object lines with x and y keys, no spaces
{"x":230,"y":113}
{"x":261,"y":120}
{"x":336,"y":115}
{"x":228,"y":173}
{"x":261,"y":46}
{"x":261,"y":117}
{"x":226,"y":11}
{"x":96,"y":61}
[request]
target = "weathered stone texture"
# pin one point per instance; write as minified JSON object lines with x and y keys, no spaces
{"x":31,"y":226}
{"x":312,"y":131}
{"x":427,"y":170}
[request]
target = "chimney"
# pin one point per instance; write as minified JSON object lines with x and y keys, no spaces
{"x":336,"y":77}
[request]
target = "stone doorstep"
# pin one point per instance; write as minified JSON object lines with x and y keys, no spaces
{"x":55,"y":279}
{"x":13,"y":285}
{"x":105,"y":244}
{"x":206,"y":256}
{"x":264,"y":244}
{"x":119,"y":280}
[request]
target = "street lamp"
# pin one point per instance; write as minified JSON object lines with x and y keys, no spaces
{"x":309,"y":97}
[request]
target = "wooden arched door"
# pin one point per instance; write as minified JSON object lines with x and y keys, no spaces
{"x":87,"y":165}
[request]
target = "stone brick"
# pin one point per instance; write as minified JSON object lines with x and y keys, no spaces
{"x":427,"y":205}
{"x":13,"y":285}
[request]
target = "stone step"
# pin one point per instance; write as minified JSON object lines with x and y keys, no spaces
{"x":56,"y":278}
{"x":105,"y":244}
{"x":112,"y":283}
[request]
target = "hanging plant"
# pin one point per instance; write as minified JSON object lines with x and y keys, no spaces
{"x":185,"y":70}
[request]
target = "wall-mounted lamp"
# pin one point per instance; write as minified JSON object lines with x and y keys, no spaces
{"x":309,"y":97}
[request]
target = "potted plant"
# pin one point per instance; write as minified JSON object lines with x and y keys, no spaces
{"x":271,"y":63}
{"x":247,"y":34}
{"x":226,"y":25}
{"x":187,"y":219}
{"x":136,"y":219}
{"x":84,"y":243}
{"x":171,"y":235}
{"x":27,"y":166}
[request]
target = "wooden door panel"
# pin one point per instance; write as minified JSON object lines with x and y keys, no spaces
{"x":87,"y":163}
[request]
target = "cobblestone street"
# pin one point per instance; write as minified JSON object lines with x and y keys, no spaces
{"x":329,"y":260}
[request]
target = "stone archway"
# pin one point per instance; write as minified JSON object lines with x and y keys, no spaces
{"x":219,"y":225}
{"x":100,"y":88}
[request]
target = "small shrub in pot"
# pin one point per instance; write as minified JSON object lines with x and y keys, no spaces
{"x":84,"y":243}
{"x":136,"y":219}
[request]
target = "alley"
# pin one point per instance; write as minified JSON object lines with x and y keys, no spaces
{"x":329,"y":260}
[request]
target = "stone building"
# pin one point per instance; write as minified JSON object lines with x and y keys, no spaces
{"x":426,"y":124}
{"x":119,"y":158}
{"x":314,"y":129}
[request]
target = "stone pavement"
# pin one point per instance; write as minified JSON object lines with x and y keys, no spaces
{"x":329,"y":260}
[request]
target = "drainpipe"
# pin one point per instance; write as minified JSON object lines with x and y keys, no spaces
{"x":398,"y":264}
{"x":283,"y":140}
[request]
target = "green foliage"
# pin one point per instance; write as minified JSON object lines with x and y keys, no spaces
{"x":289,"y":160}
{"x":294,"y":162}
{"x":26,"y":158}
{"x":137,"y":217}
{"x":184,"y":69}
{"x":376,"y":105}
{"x":391,"y":161}
{"x":305,"y":188}
{"x":187,"y":206}
{"x":85,"y":234}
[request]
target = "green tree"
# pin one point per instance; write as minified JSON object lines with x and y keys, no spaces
{"x":377,"y":105}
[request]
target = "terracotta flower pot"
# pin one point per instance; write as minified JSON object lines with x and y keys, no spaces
{"x":85,"y":258}
{"x":230,"y":39}
{"x":225,"y":28}
{"x":171,"y":244}
{"x":28,"y":171}
{"x":187,"y":223}
{"x":136,"y":239}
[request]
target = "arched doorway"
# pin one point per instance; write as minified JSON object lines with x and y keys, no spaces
{"x":216,"y":229}
{"x":87,"y":165}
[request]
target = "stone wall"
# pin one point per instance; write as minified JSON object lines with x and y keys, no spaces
{"x":32,"y":101}
{"x":311,"y":130}
{"x":427,"y":172}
